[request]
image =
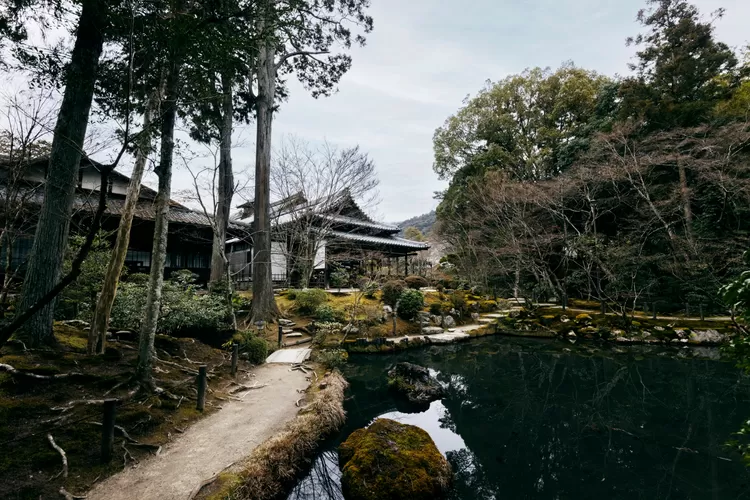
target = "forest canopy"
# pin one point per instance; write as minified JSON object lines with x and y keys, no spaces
{"x":568,"y":183}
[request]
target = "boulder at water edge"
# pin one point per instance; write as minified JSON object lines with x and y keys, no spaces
{"x":392,"y":461}
{"x":414,"y":383}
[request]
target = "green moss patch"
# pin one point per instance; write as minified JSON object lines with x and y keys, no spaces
{"x":393,"y":461}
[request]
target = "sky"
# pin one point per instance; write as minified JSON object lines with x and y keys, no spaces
{"x":425,"y":56}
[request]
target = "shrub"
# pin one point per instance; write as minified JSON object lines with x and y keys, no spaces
{"x":328,"y":314}
{"x":487,"y":306}
{"x":291,"y":294}
{"x":184,"y":311}
{"x":458,"y":302}
{"x":252,"y":344}
{"x":410,"y":303}
{"x":309,"y":299}
{"x":138,"y":278}
{"x":416,"y":282}
{"x":368,"y":287}
{"x":392,"y":291}
{"x":339,"y":278}
{"x":325,"y":330}
{"x":440,"y":288}
{"x":436,"y":309}
{"x":332,"y":358}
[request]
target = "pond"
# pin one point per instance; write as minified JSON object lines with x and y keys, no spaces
{"x":527,"y":418}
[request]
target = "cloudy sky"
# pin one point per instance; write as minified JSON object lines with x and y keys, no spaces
{"x":425,"y":56}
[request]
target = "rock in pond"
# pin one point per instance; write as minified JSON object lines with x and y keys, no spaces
{"x":415,"y":383}
{"x":392,"y":461}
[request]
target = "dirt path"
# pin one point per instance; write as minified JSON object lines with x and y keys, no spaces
{"x":213,"y":443}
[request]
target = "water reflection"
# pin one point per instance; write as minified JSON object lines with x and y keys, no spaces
{"x":548,"y":420}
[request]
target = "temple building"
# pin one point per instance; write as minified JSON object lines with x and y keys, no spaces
{"x":312,"y":239}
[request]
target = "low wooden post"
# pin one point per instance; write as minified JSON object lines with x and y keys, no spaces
{"x":564,"y":301}
{"x":700,"y":309}
{"x":202,"y":383}
{"x":281,"y":332}
{"x":653,"y":310}
{"x":235,"y":356}
{"x":687,"y":309}
{"x":108,"y":429}
{"x":604,"y":307}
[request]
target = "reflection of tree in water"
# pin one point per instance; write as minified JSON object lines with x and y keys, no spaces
{"x":542,"y":423}
{"x":547,"y":423}
{"x":323,"y":482}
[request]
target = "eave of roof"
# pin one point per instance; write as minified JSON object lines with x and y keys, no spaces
{"x":379,"y":240}
{"x":343,"y":219}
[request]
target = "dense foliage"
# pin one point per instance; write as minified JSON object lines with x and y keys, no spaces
{"x":309,"y":299}
{"x":568,"y":183}
{"x":410,"y":303}
{"x":186,"y":310}
{"x":416,"y":282}
{"x":391,"y":292}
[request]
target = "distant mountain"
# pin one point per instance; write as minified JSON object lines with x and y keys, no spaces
{"x":422,"y":222}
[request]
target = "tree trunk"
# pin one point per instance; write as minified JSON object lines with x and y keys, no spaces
{"x":51,"y":238}
{"x":161,"y":224}
{"x":225,"y":185}
{"x":98,"y":332}
{"x":264,"y":306}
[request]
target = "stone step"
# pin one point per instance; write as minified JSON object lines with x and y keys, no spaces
{"x":293,"y":335}
{"x":287,"y":331}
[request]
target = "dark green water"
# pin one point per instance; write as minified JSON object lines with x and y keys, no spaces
{"x":543,"y":419}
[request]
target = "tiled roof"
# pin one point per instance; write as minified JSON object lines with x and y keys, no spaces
{"x":392,"y":241}
{"x":144,"y":209}
{"x":359,"y":222}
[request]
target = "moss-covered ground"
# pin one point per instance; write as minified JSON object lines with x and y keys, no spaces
{"x":367,"y":313}
{"x":32,"y":408}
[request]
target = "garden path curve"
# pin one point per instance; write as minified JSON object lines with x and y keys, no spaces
{"x":214,"y":443}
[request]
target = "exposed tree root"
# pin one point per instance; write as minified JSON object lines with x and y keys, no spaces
{"x":127,"y":455}
{"x":241,"y":388}
{"x":13,"y":371}
{"x":64,"y":470}
{"x":70,"y":496}
{"x":132,"y":442}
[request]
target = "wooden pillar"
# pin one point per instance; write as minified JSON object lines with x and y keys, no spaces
{"x":406,"y":265}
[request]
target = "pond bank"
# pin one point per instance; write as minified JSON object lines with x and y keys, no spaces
{"x":554,"y":323}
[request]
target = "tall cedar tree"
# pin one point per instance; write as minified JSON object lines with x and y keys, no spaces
{"x":51,"y":238}
{"x":682,"y":71}
{"x":295,"y":37}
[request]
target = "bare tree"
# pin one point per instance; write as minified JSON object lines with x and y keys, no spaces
{"x":27,"y":123}
{"x":315,"y":181}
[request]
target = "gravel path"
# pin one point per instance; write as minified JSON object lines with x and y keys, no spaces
{"x":212,"y":444}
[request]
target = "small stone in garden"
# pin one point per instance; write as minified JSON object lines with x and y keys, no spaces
{"x":293,"y":335}
{"x":449,"y":322}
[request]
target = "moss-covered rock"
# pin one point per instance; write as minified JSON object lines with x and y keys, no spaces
{"x":414,"y":383}
{"x":392,"y":461}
